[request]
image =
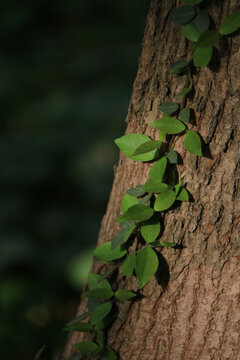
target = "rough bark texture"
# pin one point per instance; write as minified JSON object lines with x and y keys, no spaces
{"x":194,"y":312}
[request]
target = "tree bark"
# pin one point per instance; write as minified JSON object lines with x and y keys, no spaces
{"x":194,"y":312}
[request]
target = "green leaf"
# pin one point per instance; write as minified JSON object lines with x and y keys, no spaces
{"x":130,"y":142}
{"x":182,"y":14}
{"x":106,"y":253}
{"x":150,"y":229}
{"x":179,"y":67}
{"x":109,"y":354}
{"x":88,"y":348}
{"x":191,"y":2}
{"x":82,"y":327}
{"x":121,"y":237}
{"x":94,"y":282}
{"x":190,"y":32}
{"x":99,"y":293}
{"x":158,"y":169}
{"x":202,"y":21}
{"x":172,"y":157}
{"x":169,"y":107}
{"x":183,"y":195}
{"x":164,"y":200}
{"x":146,"y":265}
{"x":39,"y":353}
{"x":230,"y":24}
{"x":137,"y":213}
{"x":185,"y":115}
{"x":169,"y":125}
{"x":129,"y":265}
{"x":202,"y":56}
{"x":100,"y":339}
{"x":192,"y":143}
{"x":177,"y":188}
{"x":155,"y":186}
{"x":147,"y":147}
{"x":105,"y":322}
{"x":136,"y":191}
{"x":122,"y":294}
{"x":127,"y":225}
{"x":79,"y":318}
{"x":184,"y":92}
{"x":101,"y":312}
{"x":128,"y":201}
{"x":207,"y":39}
{"x":167,"y":244}
{"x":145,"y":199}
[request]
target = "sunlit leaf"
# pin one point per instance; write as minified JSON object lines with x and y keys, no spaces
{"x":183,"y":195}
{"x":129,"y":265}
{"x":123,"y":294}
{"x":137,"y":213}
{"x":136,"y":191}
{"x":146,"y":265}
{"x":147,"y":147}
{"x":150,"y":229}
{"x":164,"y":200}
{"x":130,"y":142}
{"x":155,"y":186}
{"x":128,"y":201}
{"x":192,"y":143}
{"x":158,"y":169}
{"x":106,"y":253}
{"x":167,"y":244}
{"x":169,"y":125}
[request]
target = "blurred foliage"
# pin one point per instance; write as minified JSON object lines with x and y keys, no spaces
{"x":67,"y":69}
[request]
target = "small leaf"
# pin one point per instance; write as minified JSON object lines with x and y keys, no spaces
{"x":172,"y":157}
{"x":127,"y":202}
{"x":106,"y":253}
{"x":155,"y":186}
{"x":147,"y":147}
{"x":130,"y":142}
{"x":146,"y":265}
{"x":109,"y":354}
{"x":82,"y":327}
{"x":121,"y":237}
{"x":177,"y":188}
{"x":136,"y":191}
{"x":39,"y":353}
{"x":150,"y":229}
{"x":192,"y":143}
{"x":129,"y":265}
{"x":157,"y":170}
{"x":105,"y":322}
{"x":185,"y":115}
{"x":169,"y":107}
{"x":191,"y":2}
{"x":183,"y":195}
{"x":169,"y":125}
{"x":183,"y":14}
{"x":88,"y":348}
{"x":137,"y":213}
{"x":207,"y":39}
{"x":122,"y":294}
{"x":99,"y":293}
{"x":190,"y":32}
{"x":202,"y":21}
{"x":145,"y":199}
{"x":79,"y":318}
{"x":230,"y":24}
{"x":179,"y":67}
{"x":202,"y":56}
{"x":101,"y":312}
{"x":127,"y":225}
{"x":94,"y":282}
{"x":164,"y":200}
{"x":100,"y":339}
{"x":167,"y":244}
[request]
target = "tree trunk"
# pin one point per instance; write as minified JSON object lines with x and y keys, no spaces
{"x":194,"y":312}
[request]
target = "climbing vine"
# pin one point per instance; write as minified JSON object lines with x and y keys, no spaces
{"x":143,"y":206}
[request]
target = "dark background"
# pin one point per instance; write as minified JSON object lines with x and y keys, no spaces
{"x":66,"y":74}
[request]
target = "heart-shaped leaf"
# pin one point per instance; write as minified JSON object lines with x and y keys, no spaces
{"x":130,"y":142}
